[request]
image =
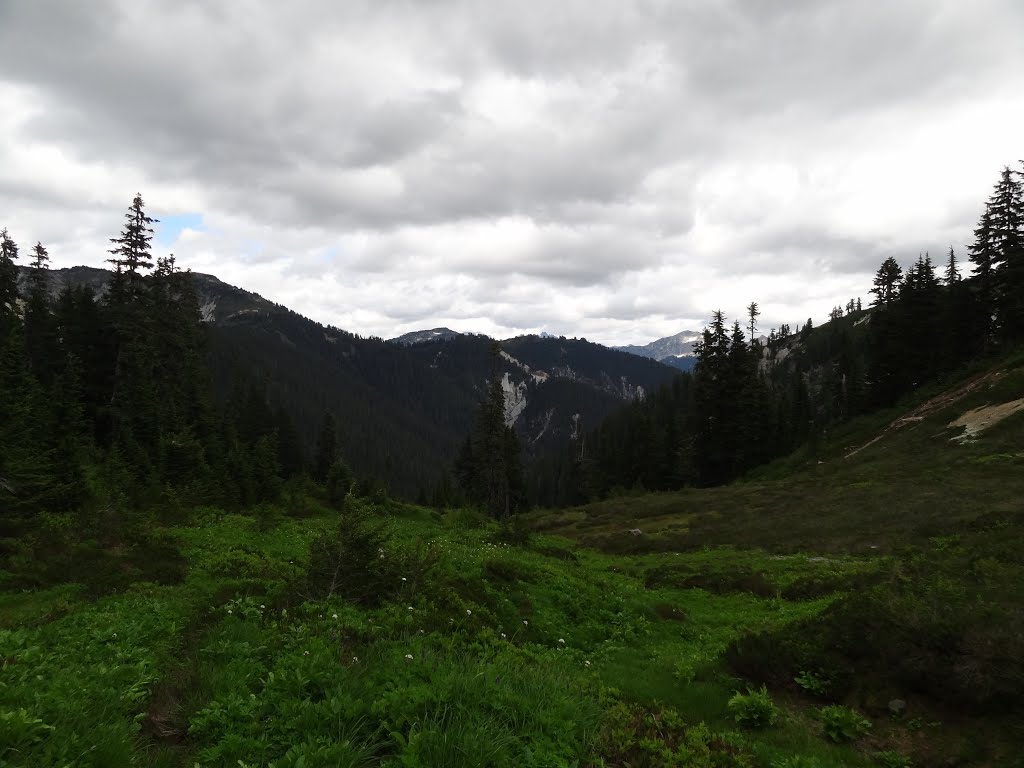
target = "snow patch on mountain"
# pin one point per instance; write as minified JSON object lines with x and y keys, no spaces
{"x":515,"y":399}
{"x":679,"y":345}
{"x":207,"y":310}
{"x":421,"y":337}
{"x":547,"y":423}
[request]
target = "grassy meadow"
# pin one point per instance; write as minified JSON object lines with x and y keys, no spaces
{"x":827,"y":611}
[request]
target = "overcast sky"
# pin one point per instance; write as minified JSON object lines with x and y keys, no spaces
{"x":614,"y":170}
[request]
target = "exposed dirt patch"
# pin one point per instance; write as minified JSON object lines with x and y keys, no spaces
{"x":930,"y":406}
{"x":980,"y":419}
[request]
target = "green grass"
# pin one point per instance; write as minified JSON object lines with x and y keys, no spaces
{"x":625,"y":651}
{"x":519,"y":656}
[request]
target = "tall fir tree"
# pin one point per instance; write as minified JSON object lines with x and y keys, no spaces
{"x":8,"y":285}
{"x":489,"y":464}
{"x":887,"y":282}
{"x":326,"y":447}
{"x":132,"y":249}
{"x":753,"y":312}
{"x":952,"y":273}
{"x":40,"y":324}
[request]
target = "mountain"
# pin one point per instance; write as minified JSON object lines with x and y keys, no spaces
{"x":675,"y":351}
{"x":421,"y":337}
{"x":403,"y":409}
{"x":554,"y":387}
{"x":680,"y":345}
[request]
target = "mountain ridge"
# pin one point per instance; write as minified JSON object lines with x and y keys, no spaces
{"x":402,"y":409}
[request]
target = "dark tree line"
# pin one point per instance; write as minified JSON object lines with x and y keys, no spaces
{"x":489,"y":469}
{"x":746,"y":403}
{"x":105,"y":402}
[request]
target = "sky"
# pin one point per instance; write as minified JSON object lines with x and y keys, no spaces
{"x":610,"y":170}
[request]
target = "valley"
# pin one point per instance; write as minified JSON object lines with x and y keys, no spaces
{"x":563,"y":638}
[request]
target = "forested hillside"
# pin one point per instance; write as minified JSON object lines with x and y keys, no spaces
{"x":261,"y":383}
{"x":747,"y":403}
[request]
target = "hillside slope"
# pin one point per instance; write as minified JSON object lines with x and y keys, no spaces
{"x":929,"y":496}
{"x":877,"y":483}
{"x":402,"y":410}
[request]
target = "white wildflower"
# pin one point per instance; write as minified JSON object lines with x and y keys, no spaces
{"x":526,"y":623}
{"x":561,"y":641}
{"x":334,"y":615}
{"x":469,"y":612}
{"x":503,"y":634}
{"x":355,"y":659}
{"x":586,"y":663}
{"x":408,"y":656}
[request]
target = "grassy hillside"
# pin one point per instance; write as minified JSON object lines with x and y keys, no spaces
{"x":892,"y":479}
{"x":877,"y":597}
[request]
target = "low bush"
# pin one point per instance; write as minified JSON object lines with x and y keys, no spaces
{"x":842,"y":723}
{"x":355,"y":560}
{"x":753,"y":709}
{"x":716,"y":582}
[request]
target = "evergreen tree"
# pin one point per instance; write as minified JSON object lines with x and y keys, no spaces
{"x":8,"y":284}
{"x":886,"y":283}
{"x":712,"y":406}
{"x":326,"y":448}
{"x":131,"y":251}
{"x":40,"y":330}
{"x":998,"y":256}
{"x":952,"y":274}
{"x":489,"y":465}
{"x":133,"y":402}
{"x":753,"y":313}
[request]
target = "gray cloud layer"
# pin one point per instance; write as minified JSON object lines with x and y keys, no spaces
{"x":615,"y":170}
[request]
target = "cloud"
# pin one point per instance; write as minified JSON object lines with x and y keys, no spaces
{"x":613,"y":170}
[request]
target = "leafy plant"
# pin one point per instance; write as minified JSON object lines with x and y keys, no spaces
{"x":811,"y":682}
{"x":18,"y":729}
{"x":843,"y":724}
{"x":754,"y":709}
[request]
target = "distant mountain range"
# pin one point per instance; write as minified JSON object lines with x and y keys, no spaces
{"x":404,"y":408}
{"x":676,"y":351}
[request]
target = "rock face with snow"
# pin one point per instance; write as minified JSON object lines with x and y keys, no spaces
{"x":420,"y":337}
{"x":554,"y":388}
{"x":678,"y":346}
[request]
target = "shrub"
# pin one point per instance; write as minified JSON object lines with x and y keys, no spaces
{"x":843,"y":724}
{"x":355,"y":560}
{"x":340,"y":482}
{"x":754,"y":709}
{"x":512,"y":531}
{"x":465,"y":518}
{"x":814,"y":683}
